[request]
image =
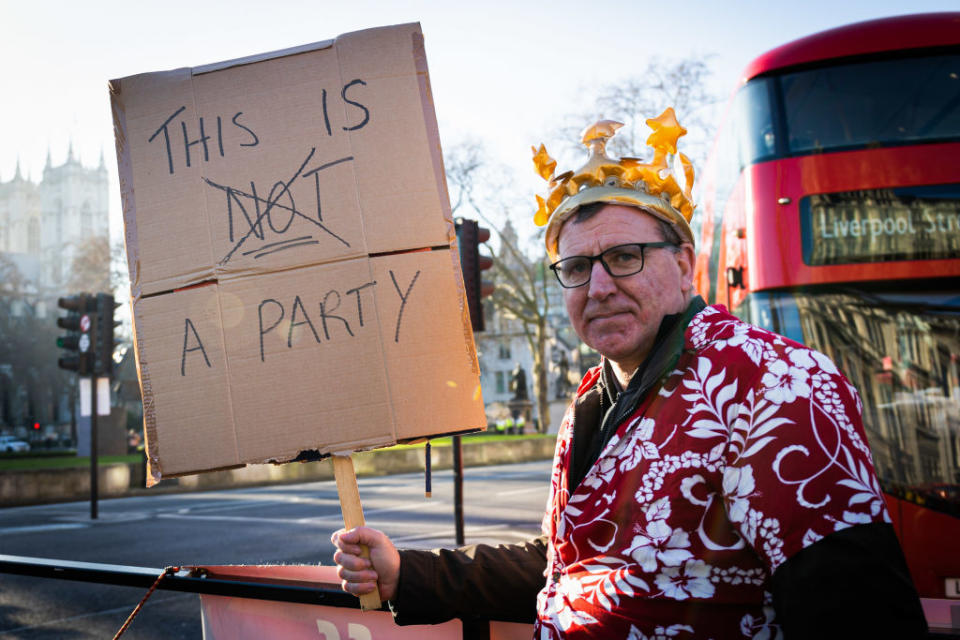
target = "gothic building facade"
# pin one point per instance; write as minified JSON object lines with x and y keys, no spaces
{"x":42,"y":224}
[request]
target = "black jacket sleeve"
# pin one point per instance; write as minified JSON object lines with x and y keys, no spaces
{"x":478,"y":581}
{"x":853,"y":583}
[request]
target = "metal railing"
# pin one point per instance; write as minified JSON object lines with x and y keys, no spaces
{"x":197,"y":580}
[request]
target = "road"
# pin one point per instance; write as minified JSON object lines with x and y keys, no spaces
{"x":289,"y":524}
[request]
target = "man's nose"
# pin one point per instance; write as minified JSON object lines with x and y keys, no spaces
{"x":601,"y":283}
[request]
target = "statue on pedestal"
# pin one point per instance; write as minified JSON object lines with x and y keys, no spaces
{"x":518,"y":385}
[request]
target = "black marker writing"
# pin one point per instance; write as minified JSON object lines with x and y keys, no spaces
{"x":403,"y":300}
{"x":203,"y":138}
{"x":187,"y":143}
{"x":271,"y":327}
{"x":279,"y":190}
{"x":326,"y":312}
{"x":366,"y":112}
{"x":297,"y":304}
{"x":166,"y":136}
{"x":255,"y":139}
{"x":326,"y":116}
{"x":271,"y":313}
{"x":357,"y":291}
{"x":188,"y":327}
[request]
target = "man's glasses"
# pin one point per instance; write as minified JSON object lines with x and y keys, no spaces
{"x":619,"y":261}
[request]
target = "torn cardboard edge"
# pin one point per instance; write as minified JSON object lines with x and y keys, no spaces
{"x":307,"y":455}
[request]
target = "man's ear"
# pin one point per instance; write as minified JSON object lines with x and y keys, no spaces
{"x":686,"y":259}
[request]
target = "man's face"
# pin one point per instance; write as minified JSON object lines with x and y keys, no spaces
{"x":619,"y":317}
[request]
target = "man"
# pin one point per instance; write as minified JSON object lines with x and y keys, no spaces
{"x":711,"y":479}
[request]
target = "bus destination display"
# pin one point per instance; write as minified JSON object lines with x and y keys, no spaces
{"x":880,"y":225}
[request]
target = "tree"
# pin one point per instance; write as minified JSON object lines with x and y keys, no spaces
{"x":679,"y":83}
{"x":98,"y":267}
{"x":520,"y":293}
{"x":92,"y":266}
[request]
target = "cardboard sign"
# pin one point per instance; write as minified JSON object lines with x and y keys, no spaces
{"x":292,"y":254}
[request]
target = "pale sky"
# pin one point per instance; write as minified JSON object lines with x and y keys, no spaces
{"x":500,"y":71}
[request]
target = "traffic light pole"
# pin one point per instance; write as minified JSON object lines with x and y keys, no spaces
{"x":472,"y":265}
{"x":89,"y":352}
{"x":94,"y":475}
{"x":458,"y":490}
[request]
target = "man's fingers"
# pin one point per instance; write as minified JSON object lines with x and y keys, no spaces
{"x":358,"y":588}
{"x":357,"y":576}
{"x":379,"y":569}
{"x":355,"y":537}
{"x":351,"y":560}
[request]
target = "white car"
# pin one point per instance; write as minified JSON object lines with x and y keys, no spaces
{"x":12,"y":444}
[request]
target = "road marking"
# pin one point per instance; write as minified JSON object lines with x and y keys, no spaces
{"x":527,"y":490}
{"x":315,"y":520}
{"x":192,"y":516}
{"x":445,"y":533}
{"x":39,"y":528}
{"x":470,"y":532}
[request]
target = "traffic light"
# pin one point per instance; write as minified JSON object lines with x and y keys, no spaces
{"x":469,"y":237}
{"x":79,"y":339}
{"x":103,"y":355}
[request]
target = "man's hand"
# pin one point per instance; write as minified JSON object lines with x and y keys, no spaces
{"x":359,"y":575}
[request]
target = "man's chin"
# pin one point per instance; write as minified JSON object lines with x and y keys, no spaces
{"x":613,"y":349}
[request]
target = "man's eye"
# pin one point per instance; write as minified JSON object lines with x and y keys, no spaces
{"x":575,"y":267}
{"x":624,"y":257}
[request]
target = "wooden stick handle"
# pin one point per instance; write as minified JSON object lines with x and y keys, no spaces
{"x":353,"y":514}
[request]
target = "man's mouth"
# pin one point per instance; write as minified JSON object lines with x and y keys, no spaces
{"x":605,"y":314}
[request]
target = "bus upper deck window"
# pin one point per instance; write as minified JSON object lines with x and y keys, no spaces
{"x":872,"y":103}
{"x":754,"y":122}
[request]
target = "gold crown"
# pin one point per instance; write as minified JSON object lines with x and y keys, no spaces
{"x":651,"y":186}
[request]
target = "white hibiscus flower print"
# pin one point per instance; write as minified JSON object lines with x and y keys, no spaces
{"x":692,"y":580}
{"x":600,"y":474}
{"x":659,"y":544}
{"x":825,"y":363}
{"x":738,"y":486}
{"x":801,"y":358}
{"x":638,"y":446}
{"x":568,"y":590}
{"x":741,"y":338}
{"x":784,"y":383}
{"x":761,"y":628}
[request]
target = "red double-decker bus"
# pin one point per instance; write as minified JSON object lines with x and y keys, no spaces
{"x":830,"y":213}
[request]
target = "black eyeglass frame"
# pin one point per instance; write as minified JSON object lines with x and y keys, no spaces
{"x":643,"y":245}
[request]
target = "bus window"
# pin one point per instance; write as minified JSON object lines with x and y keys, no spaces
{"x":773,"y":310}
{"x":753,"y":116}
{"x":874,"y":103}
{"x":899,"y":349}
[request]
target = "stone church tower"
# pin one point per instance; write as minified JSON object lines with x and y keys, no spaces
{"x":41,"y":224}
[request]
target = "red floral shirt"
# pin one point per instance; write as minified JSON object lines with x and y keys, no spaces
{"x":749,"y":450}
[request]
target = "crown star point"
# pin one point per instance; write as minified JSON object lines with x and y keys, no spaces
{"x":545,"y":165}
{"x":666,"y":131}
{"x":602,"y":129}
